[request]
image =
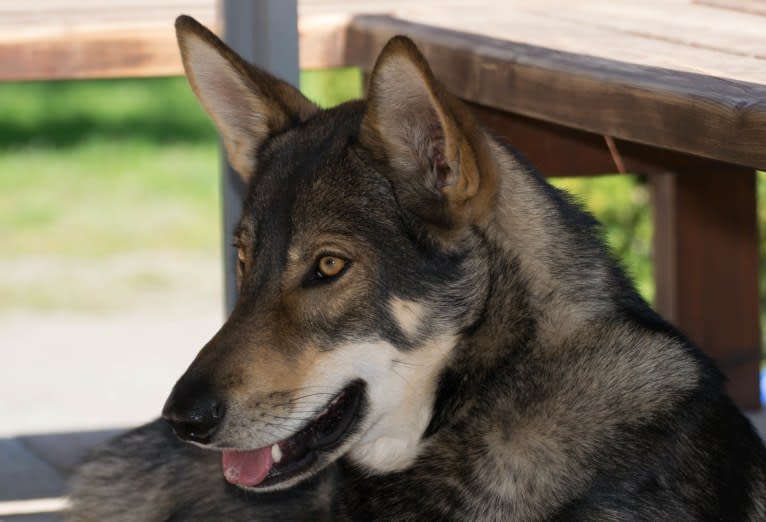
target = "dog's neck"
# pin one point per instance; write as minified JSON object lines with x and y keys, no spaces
{"x":559,"y":256}
{"x":546,"y":284}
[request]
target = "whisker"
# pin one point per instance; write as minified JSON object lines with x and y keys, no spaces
{"x":403,"y":363}
{"x":301,"y":419}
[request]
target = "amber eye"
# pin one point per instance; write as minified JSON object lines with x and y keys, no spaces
{"x":330,"y":266}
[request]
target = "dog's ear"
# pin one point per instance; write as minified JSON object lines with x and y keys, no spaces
{"x":436,"y":151}
{"x":246,"y":104}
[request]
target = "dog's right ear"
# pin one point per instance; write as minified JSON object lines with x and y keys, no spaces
{"x":439,"y":158}
{"x":246,"y":104}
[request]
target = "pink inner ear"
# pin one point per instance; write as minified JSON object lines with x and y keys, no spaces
{"x":439,"y":165}
{"x":436,"y":152}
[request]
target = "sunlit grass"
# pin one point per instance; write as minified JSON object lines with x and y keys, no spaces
{"x":94,"y":168}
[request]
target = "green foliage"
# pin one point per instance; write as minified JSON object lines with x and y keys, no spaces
{"x":66,"y":114}
{"x":328,"y":88}
{"x":621,"y":204}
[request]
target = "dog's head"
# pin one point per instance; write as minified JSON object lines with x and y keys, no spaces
{"x":360,"y":266}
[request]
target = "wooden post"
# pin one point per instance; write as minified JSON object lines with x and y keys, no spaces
{"x":706,"y":268}
{"x":265,"y":33}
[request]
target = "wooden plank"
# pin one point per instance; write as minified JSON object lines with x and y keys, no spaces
{"x":146,"y":52}
{"x":557,"y":150}
{"x":746,"y":6}
{"x":690,"y":39}
{"x":143,"y":52}
{"x":654,"y":26}
{"x":665,"y":33}
{"x":58,"y":39}
{"x":553,"y":149}
{"x":322,"y":41}
{"x":42,"y":18}
{"x":706,"y":268}
{"x":646,"y":105}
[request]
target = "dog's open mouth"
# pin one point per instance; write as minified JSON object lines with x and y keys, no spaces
{"x":273,"y":464}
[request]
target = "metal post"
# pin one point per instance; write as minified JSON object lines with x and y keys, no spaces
{"x":265,"y":33}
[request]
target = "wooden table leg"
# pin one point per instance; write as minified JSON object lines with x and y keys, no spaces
{"x":706,"y":268}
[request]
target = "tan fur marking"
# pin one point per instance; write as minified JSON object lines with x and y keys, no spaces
{"x":408,"y":315}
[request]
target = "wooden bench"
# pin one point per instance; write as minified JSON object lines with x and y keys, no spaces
{"x":672,"y":89}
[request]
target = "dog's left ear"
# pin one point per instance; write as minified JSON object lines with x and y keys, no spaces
{"x":436,"y":150}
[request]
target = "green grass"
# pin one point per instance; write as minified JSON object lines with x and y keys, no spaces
{"x":94,"y":168}
{"x":104,"y":197}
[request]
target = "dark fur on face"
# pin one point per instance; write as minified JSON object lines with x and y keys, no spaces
{"x":505,"y":368}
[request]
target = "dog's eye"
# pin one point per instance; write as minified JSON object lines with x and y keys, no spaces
{"x":330,"y":266}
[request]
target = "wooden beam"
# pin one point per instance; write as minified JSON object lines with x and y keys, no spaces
{"x":127,"y":52}
{"x":641,"y":104}
{"x":140,"y":52}
{"x":557,"y":150}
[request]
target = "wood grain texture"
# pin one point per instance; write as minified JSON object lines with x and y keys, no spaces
{"x":746,"y":6}
{"x":57,"y":39}
{"x":557,"y":150}
{"x":147,"y":52}
{"x":691,"y":113}
{"x":706,"y":268}
{"x":671,"y":34}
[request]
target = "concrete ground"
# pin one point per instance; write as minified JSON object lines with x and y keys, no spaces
{"x":71,"y":378}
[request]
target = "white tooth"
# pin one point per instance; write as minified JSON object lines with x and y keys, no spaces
{"x":276,"y":453}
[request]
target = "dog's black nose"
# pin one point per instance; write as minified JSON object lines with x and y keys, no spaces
{"x":193,"y":411}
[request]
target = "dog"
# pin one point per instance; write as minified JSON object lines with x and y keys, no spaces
{"x":425,"y":330}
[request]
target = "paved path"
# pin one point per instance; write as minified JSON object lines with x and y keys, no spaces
{"x":77,"y":378}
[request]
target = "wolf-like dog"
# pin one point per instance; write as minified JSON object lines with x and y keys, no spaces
{"x":425,"y":330}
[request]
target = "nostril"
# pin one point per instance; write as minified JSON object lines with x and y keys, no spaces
{"x":194,"y":417}
{"x":198,"y":427}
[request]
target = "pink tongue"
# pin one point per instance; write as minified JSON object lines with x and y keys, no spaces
{"x":247,"y":468}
